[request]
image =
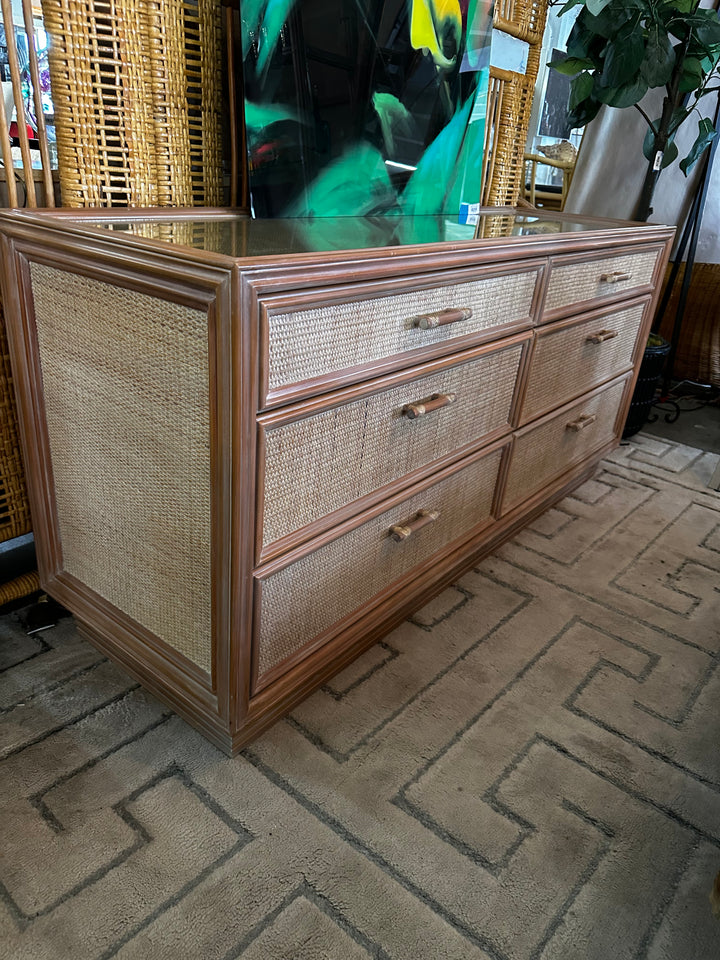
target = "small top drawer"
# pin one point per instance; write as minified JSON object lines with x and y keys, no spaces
{"x":310,"y":339}
{"x":577,"y":280}
{"x":571,"y":357}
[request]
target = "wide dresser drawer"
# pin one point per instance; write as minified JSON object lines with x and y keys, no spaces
{"x":572,"y":357}
{"x":345,"y":335}
{"x":350,"y":449}
{"x":304,"y":603}
{"x":543,"y":451}
{"x":575,"y":280}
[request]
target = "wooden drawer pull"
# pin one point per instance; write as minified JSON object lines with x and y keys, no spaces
{"x":602,"y":335}
{"x":616,"y":277}
{"x":436,"y":402}
{"x":583,"y":421}
{"x":428,"y":321}
{"x":421,"y":519}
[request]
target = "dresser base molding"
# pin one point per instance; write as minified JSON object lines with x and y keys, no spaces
{"x":193,"y":704}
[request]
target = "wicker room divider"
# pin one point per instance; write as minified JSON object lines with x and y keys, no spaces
{"x":137,"y":92}
{"x":38,"y":189}
{"x":510,"y":98}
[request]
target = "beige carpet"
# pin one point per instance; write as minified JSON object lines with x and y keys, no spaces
{"x":530,"y":768}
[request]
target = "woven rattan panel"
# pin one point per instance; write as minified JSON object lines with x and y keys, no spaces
{"x":510,"y":98}
{"x":308,"y":597}
{"x":544,"y":452}
{"x":352,"y":450}
{"x":137,"y":91}
{"x":565,"y":363}
{"x":102,"y":93}
{"x":186,"y":83}
{"x":125,"y":378}
{"x":304,"y":344}
{"x":524,"y":19}
{"x":14,"y":507}
{"x":574,"y":282}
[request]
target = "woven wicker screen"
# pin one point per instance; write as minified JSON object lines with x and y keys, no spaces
{"x":510,"y":99}
{"x":136,"y":86}
{"x":14,"y":509}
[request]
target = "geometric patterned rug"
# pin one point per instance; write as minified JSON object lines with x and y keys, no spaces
{"x":528,"y":769}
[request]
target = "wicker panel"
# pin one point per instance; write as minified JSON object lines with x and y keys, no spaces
{"x":186,"y":82}
{"x":103,"y":101}
{"x":510,"y":97}
{"x":307,"y":598}
{"x":311,"y":343}
{"x":19,"y":587}
{"x":572,"y":283}
{"x":14,"y":507}
{"x":136,"y":87}
{"x":204,"y":84}
{"x":524,"y":19}
{"x":566,"y":363}
{"x":352,"y":450}
{"x":698,"y":350}
{"x":125,"y":379}
{"x":543,"y":452}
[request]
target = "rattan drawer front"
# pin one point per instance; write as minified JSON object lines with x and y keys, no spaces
{"x":304,"y":601}
{"x":352,"y":450}
{"x":568,"y":360}
{"x":307,"y":344}
{"x":575,"y":282}
{"x":544,"y":451}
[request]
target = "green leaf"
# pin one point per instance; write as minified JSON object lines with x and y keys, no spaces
{"x":623,"y":58}
{"x":670,"y":155}
{"x":657,"y":67}
{"x":582,"y":41}
{"x":681,"y":6}
{"x":596,"y":6}
{"x":570,"y":66}
{"x":625,"y":96}
{"x":568,"y":6}
{"x":611,"y":20}
{"x":706,"y":135}
{"x":585,"y":111}
{"x":692,"y":75}
{"x":580,"y":89}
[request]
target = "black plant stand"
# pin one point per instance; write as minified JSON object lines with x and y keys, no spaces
{"x":690,"y":234}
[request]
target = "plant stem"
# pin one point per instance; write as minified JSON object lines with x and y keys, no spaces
{"x":662,"y":135}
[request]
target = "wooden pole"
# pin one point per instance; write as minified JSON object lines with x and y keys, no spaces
{"x":17,"y":91}
{"x":37,"y":96}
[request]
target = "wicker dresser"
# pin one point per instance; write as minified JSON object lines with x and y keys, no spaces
{"x":251,"y":455}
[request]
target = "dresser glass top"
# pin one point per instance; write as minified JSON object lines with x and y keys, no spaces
{"x":239,"y":236}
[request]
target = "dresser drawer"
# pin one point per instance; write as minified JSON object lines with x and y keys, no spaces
{"x":352,"y":449}
{"x":307,"y":602}
{"x":572,"y":357}
{"x":343,"y":336}
{"x":574,"y":281}
{"x":545,"y":450}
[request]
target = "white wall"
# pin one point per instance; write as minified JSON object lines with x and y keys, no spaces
{"x":611,"y":167}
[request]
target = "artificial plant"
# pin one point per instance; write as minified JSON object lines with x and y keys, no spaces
{"x":618,"y":50}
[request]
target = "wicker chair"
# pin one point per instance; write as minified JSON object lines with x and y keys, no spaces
{"x":510,"y":97}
